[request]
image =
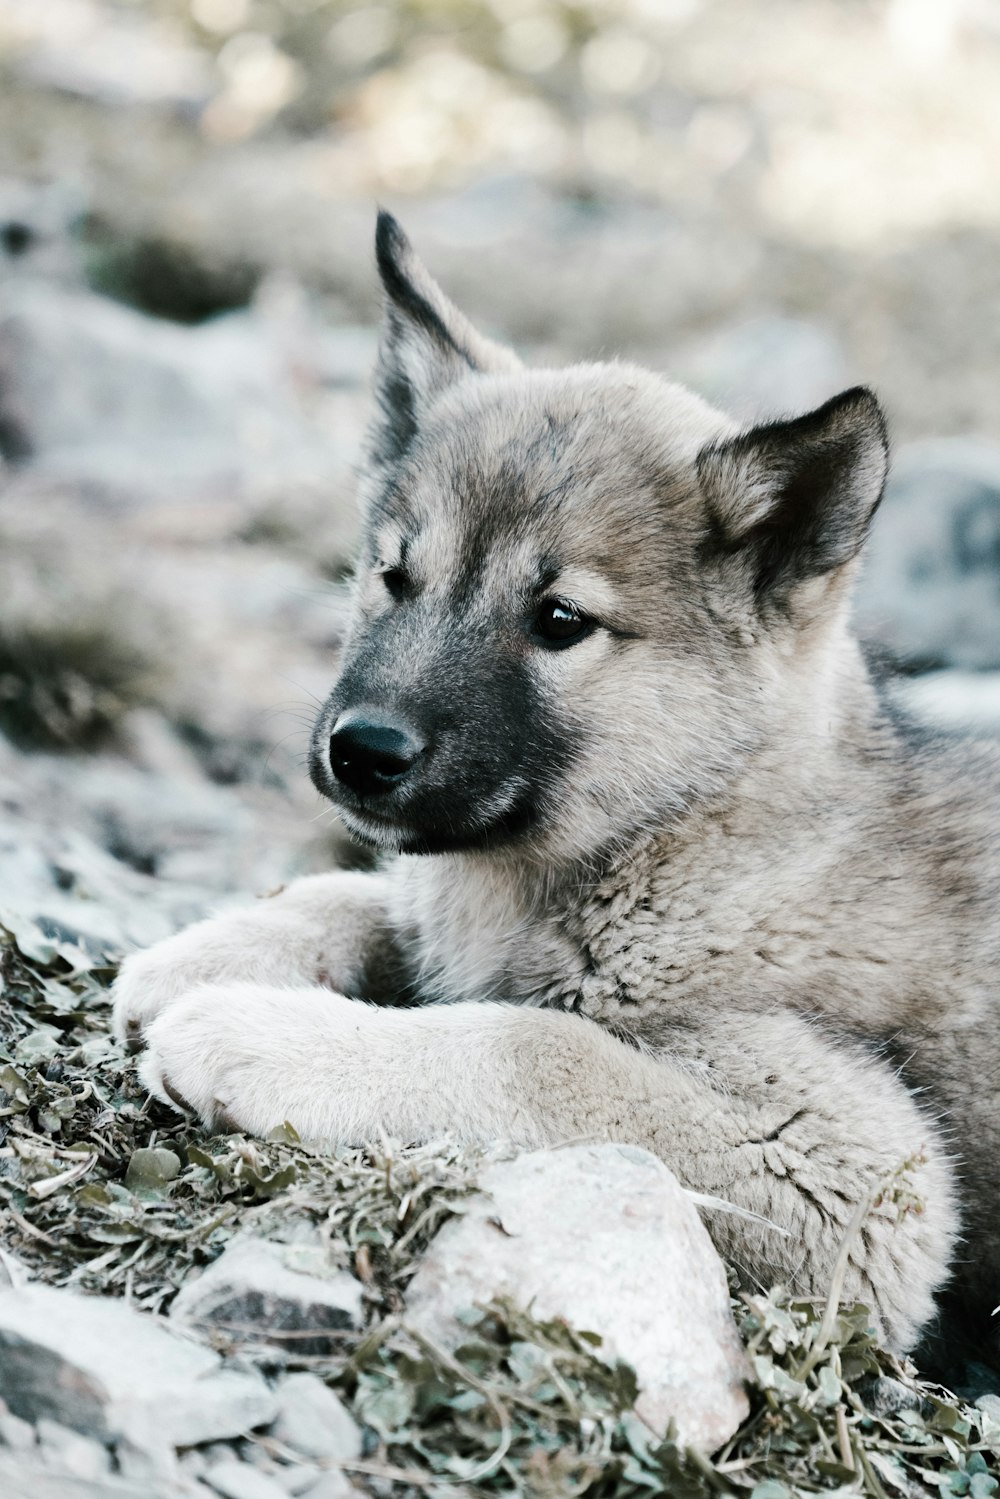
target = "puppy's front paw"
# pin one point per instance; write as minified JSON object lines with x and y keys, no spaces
{"x":147,"y":983}
{"x":248,"y":1058}
{"x":151,"y":981}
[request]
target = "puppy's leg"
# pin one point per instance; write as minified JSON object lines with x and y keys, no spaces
{"x":766,"y":1112}
{"x":325,"y":929}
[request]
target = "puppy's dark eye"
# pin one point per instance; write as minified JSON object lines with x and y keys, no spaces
{"x":394,"y":579}
{"x":559,"y":623}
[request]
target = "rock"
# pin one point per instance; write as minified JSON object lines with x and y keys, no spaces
{"x":990,"y":1406}
{"x":930,"y":586}
{"x":37,"y":221}
{"x":13,"y":1272}
{"x":967,"y":701}
{"x":298,"y":1479}
{"x":604,"y":1237}
{"x":102,"y":1369}
{"x":236,"y":1480}
{"x":14,"y":1432}
{"x":334,"y":1485}
{"x":152,"y":1462}
{"x":887,"y":1396}
{"x":140,"y":409}
{"x":24,"y":1477}
{"x":314,"y":1421}
{"x":115,"y":60}
{"x":232,"y":1402}
{"x":71,"y":1452}
{"x":251,"y":1294}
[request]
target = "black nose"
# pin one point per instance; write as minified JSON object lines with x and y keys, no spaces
{"x":371,"y":756}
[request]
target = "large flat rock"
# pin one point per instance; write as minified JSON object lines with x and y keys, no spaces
{"x":252,"y":1294}
{"x":100,"y":1368}
{"x":604,"y":1237}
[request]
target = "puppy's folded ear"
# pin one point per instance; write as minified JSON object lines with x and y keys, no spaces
{"x":790,"y":501}
{"x":426,"y":344}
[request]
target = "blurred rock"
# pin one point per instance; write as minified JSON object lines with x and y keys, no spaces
{"x":965,"y":701}
{"x":251,"y":1295}
{"x":71,"y":1452}
{"x":334,"y":1485}
{"x":151,"y":1460}
{"x":236,"y":1480}
{"x":887,"y":1397}
{"x":930,"y":588}
{"x":62,"y":883}
{"x":13,"y":1272}
{"x":991,"y":1405}
{"x":298,"y":1479}
{"x":15,"y":1433}
{"x":314,"y":1421}
{"x":24,"y":1477}
{"x":104,"y":1370}
{"x":604,"y":1237}
{"x":37,"y":223}
{"x":138,"y":407}
{"x":114,"y":58}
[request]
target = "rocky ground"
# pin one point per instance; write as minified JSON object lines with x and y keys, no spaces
{"x":177,"y":523}
{"x":184,"y":1318}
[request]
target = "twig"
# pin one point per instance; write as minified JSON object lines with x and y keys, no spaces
{"x":844,"y":1439}
{"x":397,"y":1475}
{"x":871,"y":1477}
{"x":50,"y":1184}
{"x":497,"y":1456}
{"x":708,"y":1471}
{"x":29,"y":1228}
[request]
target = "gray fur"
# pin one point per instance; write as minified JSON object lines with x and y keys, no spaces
{"x":698,"y":825}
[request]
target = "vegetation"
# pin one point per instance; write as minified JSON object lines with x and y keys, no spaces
{"x":103,"y":1189}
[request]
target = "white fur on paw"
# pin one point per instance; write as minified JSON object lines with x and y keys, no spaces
{"x":247,"y":1058}
{"x":147,"y":983}
{"x":150,"y":981}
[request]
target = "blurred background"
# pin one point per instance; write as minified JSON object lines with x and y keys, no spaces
{"x":767,"y":199}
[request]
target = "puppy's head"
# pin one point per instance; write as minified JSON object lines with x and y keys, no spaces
{"x":580,"y":593}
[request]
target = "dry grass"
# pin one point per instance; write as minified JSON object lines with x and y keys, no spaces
{"x":104,"y":1190}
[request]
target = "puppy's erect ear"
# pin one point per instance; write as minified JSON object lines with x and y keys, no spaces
{"x":793,"y":500}
{"x":426,"y":343}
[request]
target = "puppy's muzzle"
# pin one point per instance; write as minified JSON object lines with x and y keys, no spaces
{"x":371,"y":754}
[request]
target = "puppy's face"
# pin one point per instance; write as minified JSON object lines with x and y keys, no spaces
{"x":569,"y":593}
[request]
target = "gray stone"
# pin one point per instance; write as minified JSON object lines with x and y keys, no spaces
{"x":314,"y":1421}
{"x":604,"y":1237}
{"x":37,"y":222}
{"x":251,"y":1293}
{"x":930,"y":586}
{"x":71,"y":1452}
{"x":13,"y":1272}
{"x":228,"y":1404}
{"x":297,"y":1479}
{"x":335,"y":1485}
{"x":966,"y":701}
{"x":990,"y":1406}
{"x":14,"y":1432}
{"x":152,"y":1461}
{"x":139,"y":408}
{"x":236,"y":1480}
{"x":105,"y":1370}
{"x":24,"y":1477}
{"x":129,"y":59}
{"x":887,"y":1397}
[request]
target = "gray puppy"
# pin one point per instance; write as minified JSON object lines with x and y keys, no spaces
{"x":668,"y":869}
